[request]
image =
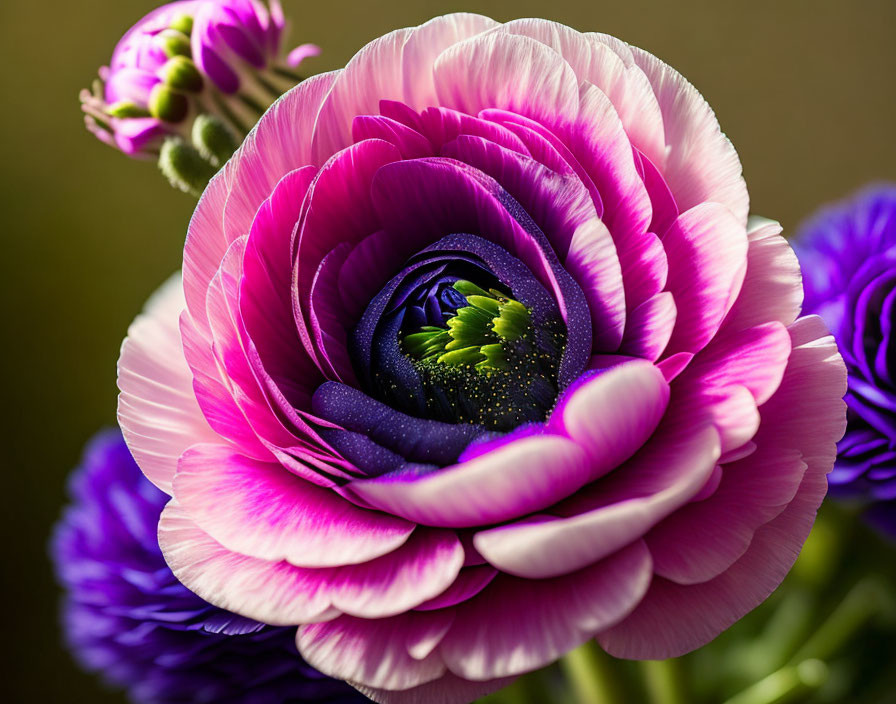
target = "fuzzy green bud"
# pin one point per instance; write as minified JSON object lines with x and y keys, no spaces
{"x":214,"y":140}
{"x":180,"y":73}
{"x":125,"y":108}
{"x":174,"y":43}
{"x":167,"y":104}
{"x":184,"y":167}
{"x":182,"y":23}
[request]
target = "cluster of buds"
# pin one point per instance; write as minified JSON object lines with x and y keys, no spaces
{"x":189,"y":80}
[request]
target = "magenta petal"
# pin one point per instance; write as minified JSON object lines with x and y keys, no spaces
{"x":611,"y":415}
{"x":609,"y":514}
{"x":261,"y":509}
{"x":518,"y":625}
{"x":772,"y":288}
{"x":675,"y":619}
{"x":394,"y":653}
{"x":707,"y":251}
{"x":300,"y":53}
{"x":513,"y":73}
{"x":514,"y":480}
{"x":278,"y":593}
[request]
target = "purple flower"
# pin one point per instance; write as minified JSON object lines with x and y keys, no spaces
{"x":186,"y":58}
{"x":127,"y":617}
{"x":477,"y":356}
{"x":848,"y":257}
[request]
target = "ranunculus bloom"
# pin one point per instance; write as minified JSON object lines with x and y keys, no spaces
{"x":479,"y":358}
{"x":160,"y":64}
{"x":128,"y":618}
{"x":848,"y":257}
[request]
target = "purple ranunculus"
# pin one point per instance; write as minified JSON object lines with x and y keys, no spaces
{"x":185,"y":58}
{"x":848,"y":257}
{"x":126,"y":616}
{"x":478,"y":357}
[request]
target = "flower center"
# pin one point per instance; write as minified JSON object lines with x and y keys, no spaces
{"x":480,"y":357}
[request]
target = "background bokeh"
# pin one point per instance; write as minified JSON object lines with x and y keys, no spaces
{"x":804,"y":88}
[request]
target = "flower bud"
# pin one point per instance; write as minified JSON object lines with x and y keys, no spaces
{"x":174,"y":43}
{"x":182,"y":23}
{"x":180,"y":73}
{"x":214,"y":140}
{"x":167,"y":104}
{"x":184,"y":167}
{"x":125,"y":108}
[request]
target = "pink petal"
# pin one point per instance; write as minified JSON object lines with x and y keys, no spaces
{"x":261,"y":509}
{"x":425,"y":44}
{"x":707,"y":251}
{"x":393,"y":653}
{"x":372,"y":75}
{"x":772,"y":288}
{"x":649,"y":327}
{"x":279,"y":143}
{"x":608,"y":515}
{"x":755,"y":357}
{"x":515,"y":479}
{"x":514,"y":73}
{"x":620,"y":80}
{"x":157,"y":410}
{"x":518,"y":625}
{"x":281,"y":594}
{"x":613,"y":414}
{"x":700,"y":164}
{"x":674,"y":619}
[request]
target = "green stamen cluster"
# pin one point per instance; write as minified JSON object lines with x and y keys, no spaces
{"x":489,"y":365}
{"x":476,"y":334}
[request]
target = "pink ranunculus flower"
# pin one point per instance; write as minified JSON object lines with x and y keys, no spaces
{"x":478,"y":357}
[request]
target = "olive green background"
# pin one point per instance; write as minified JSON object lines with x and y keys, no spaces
{"x":805,"y":90}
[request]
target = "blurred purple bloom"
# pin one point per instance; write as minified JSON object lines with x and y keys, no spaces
{"x":848,"y":257}
{"x":127,"y":617}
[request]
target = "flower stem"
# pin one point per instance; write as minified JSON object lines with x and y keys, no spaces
{"x":867,"y":598}
{"x":784,"y":685}
{"x":592,"y":675}
{"x":664,"y":681}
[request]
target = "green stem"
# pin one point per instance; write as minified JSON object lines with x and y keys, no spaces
{"x":784,"y":685}
{"x":866,"y":599}
{"x":664,"y":681}
{"x":593,"y":675}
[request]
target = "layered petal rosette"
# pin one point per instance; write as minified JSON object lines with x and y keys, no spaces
{"x":477,"y":357}
{"x":848,"y":255}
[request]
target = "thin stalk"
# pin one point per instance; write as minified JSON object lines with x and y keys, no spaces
{"x":593,"y":675}
{"x":664,"y":681}
{"x":866,"y":599}
{"x":784,"y":685}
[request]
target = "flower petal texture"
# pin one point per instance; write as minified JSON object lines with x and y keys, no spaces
{"x":497,"y":364}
